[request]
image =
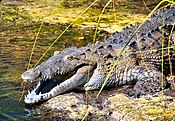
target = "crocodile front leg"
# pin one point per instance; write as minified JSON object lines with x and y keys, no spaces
{"x":148,"y":81}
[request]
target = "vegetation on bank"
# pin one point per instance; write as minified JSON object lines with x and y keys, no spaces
{"x":63,"y":12}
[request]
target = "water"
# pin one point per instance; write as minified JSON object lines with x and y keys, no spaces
{"x":11,"y":66}
{"x":11,"y":108}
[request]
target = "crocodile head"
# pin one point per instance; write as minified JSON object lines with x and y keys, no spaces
{"x":71,"y":68}
{"x":57,"y":73}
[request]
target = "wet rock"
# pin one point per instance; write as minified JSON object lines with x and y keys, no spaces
{"x":111,"y":105}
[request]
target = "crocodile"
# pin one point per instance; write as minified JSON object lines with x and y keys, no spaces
{"x":140,"y":62}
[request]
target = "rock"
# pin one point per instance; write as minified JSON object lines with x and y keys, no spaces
{"x":111,"y":105}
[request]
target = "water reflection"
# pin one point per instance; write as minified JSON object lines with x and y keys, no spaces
{"x":11,"y":108}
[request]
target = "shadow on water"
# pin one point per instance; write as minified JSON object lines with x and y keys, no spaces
{"x":16,"y":40}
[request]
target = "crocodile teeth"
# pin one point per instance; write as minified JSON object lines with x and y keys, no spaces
{"x":44,"y":77}
{"x":28,"y":92}
{"x":61,"y":72}
{"x":40,"y":93}
{"x":31,"y":97}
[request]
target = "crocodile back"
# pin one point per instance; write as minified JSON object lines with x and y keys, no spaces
{"x":165,"y":16}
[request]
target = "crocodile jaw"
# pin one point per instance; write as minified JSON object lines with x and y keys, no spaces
{"x":77,"y":80}
{"x":32,"y":97}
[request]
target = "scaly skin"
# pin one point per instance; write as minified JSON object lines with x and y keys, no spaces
{"x":153,"y":23}
{"x":140,"y":62}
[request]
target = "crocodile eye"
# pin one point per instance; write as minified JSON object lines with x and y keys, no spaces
{"x":70,"y":58}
